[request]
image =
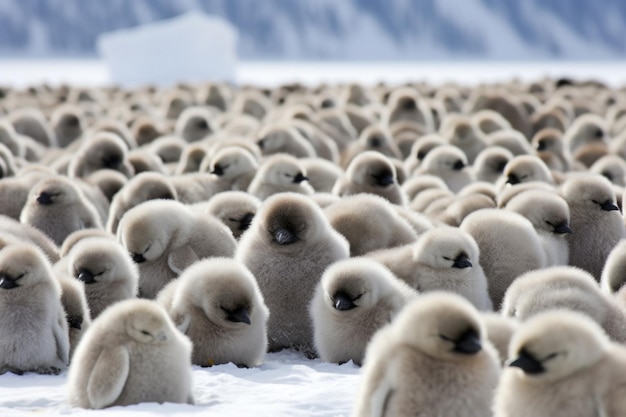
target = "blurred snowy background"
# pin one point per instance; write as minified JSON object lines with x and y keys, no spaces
{"x":311,"y":41}
{"x":339,"y":29}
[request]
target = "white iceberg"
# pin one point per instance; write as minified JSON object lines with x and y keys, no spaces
{"x":192,"y":47}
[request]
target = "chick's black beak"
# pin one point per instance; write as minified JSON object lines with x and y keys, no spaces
{"x":112,"y":161}
{"x":384,"y":179}
{"x":458,"y":165}
{"x":85,"y":276}
{"x":468,"y":343}
{"x":45,"y":199}
{"x":513,"y":179}
{"x":7,"y":282}
{"x":608,"y":206}
{"x":527,"y":363}
{"x":138,"y":258}
{"x":75,"y":322}
{"x":238,"y":315}
{"x":461,"y":262}
{"x":299,"y":178}
{"x":218,"y":170}
{"x":245,"y":221}
{"x":284,"y":237}
{"x":343,"y":301}
{"x":562,"y":228}
{"x":409,"y":105}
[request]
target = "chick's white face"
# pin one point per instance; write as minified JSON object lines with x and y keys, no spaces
{"x":233,"y":163}
{"x":285,"y":173}
{"x":554,"y":354}
{"x":446,"y":250}
{"x":20,"y":267}
{"x":148,"y":328}
{"x":145,"y":241}
{"x":351,"y":291}
{"x":448,"y":334}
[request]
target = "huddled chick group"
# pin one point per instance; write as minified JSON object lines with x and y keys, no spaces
{"x":465,"y":245}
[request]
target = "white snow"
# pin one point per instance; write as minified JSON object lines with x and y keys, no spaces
{"x":287,"y":384}
{"x":191,"y":47}
{"x":21,"y":73}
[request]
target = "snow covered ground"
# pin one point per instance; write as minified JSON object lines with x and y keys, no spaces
{"x":285,"y":385}
{"x":93,"y":72}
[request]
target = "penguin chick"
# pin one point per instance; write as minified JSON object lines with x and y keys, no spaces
{"x":354,"y":299}
{"x":106,"y":270}
{"x":373,"y":138}
{"x":490,"y":163}
{"x":280,"y":173}
{"x":566,"y":288}
{"x":369,"y":223}
{"x":104,"y":150}
{"x":283,"y":138}
{"x":595,"y":219}
{"x":549,"y":215}
{"x":508,"y":245}
{"x":68,"y":124}
{"x":235,"y":209}
{"x":588,"y":129}
{"x":526,"y":168}
{"x":614,"y":271}
{"x":450,"y":164}
{"x":561,"y":364}
{"x":549,"y":146}
{"x":143,"y":187}
{"x":371,"y":172}
{"x":109,"y":366}
{"x":76,"y":309}
{"x":444,"y":365}
{"x":196,"y":187}
{"x":164,"y":237}
{"x":289,"y":245}
{"x":218,"y":305}
{"x":500,"y":330}
{"x":322,"y":174}
{"x":234,"y":165}
{"x":10,"y":228}
{"x":57,"y":207}
{"x":194,"y":124}
{"x":612,"y":167}
{"x":35,"y":332}
{"x":445,"y":259}
{"x":459,"y":131}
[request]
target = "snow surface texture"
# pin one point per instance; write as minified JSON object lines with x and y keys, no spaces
{"x":85,"y":72}
{"x":192,"y":47}
{"x":287,"y":384}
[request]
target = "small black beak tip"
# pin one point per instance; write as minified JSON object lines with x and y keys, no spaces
{"x":462,"y":262}
{"x":86,"y":277}
{"x":458,"y":165}
{"x":512,"y":179}
{"x":239,"y":315}
{"x":563,"y":229}
{"x":343,"y":302}
{"x":218,"y":170}
{"x":284,"y":237}
{"x":608,"y":205}
{"x":44,"y":199}
{"x":299,"y":178}
{"x":138,"y":258}
{"x":468,"y":344}
{"x":7,"y":283}
{"x":527,"y":364}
